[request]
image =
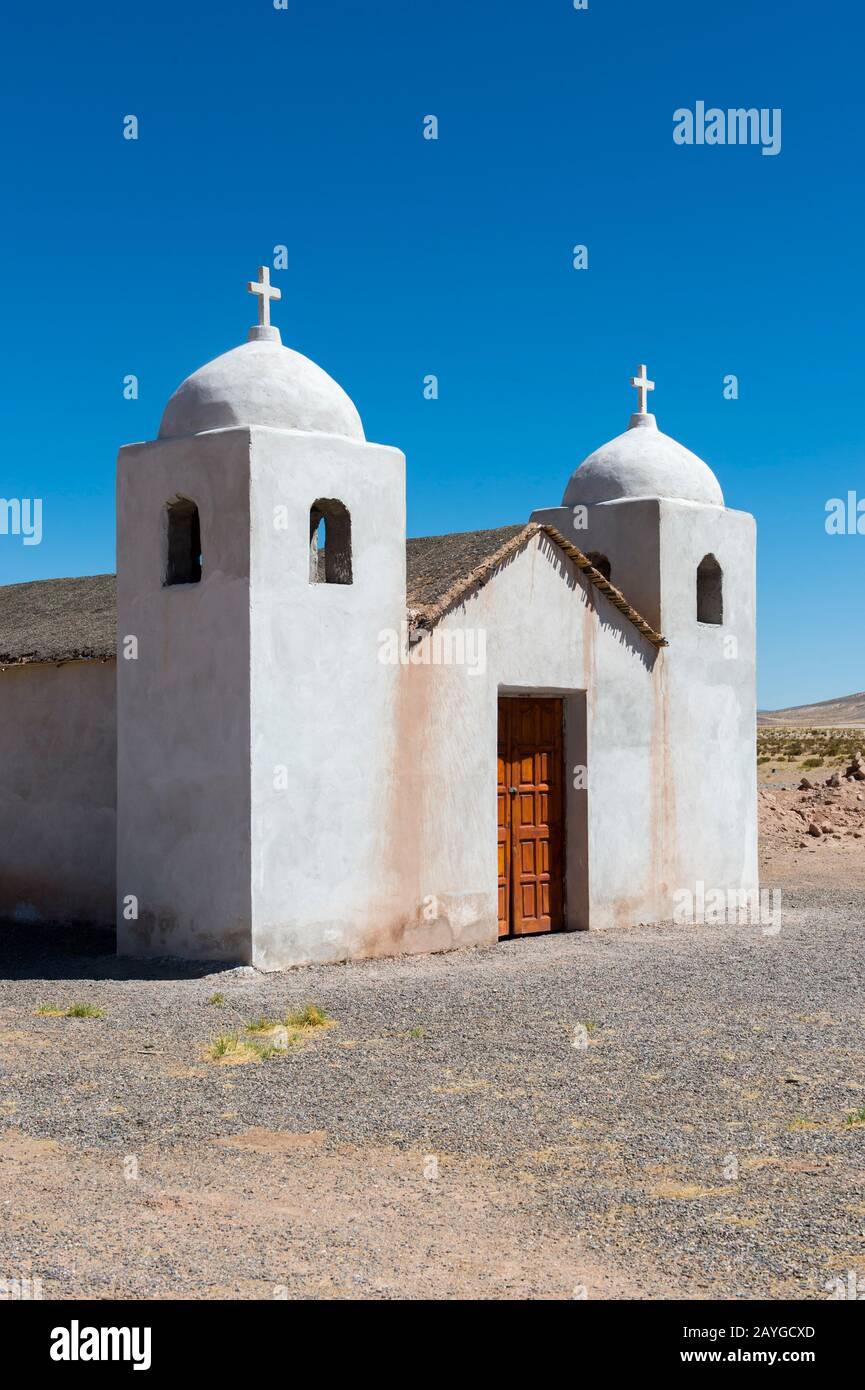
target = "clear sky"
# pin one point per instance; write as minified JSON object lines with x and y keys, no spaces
{"x":408,"y":257}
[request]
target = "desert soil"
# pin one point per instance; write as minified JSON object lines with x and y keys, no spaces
{"x":814,"y":833}
{"x":446,"y":1138}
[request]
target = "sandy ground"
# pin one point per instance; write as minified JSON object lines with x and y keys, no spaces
{"x":446,"y":1138}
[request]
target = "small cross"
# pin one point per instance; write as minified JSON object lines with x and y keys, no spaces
{"x":643,"y":385}
{"x":266,"y":292}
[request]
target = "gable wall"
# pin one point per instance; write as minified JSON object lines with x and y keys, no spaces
{"x":548,"y":631}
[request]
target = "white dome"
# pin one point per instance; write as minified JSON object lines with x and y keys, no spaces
{"x":643,"y":462}
{"x":261,"y":383}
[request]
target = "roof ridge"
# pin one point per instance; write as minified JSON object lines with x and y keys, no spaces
{"x":427,"y":615}
{"x":616,"y":597}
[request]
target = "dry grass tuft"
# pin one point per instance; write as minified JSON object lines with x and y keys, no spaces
{"x":73,"y":1011}
{"x":263,"y":1037}
{"x":232,"y":1050}
{"x":310,"y":1016}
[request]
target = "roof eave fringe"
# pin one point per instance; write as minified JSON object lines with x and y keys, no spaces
{"x":426,"y":616}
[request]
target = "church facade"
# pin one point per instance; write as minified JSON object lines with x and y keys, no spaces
{"x":288,"y":734}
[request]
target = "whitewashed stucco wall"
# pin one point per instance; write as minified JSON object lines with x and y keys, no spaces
{"x":58,"y":792}
{"x":381,"y":837}
{"x":712,"y":697}
{"x":183,"y":704}
{"x":705,"y":690}
{"x":327,"y":883}
{"x":548,"y":632}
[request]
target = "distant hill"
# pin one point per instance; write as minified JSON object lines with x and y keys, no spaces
{"x":834,"y":714}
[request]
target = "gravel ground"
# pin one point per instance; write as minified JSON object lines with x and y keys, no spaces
{"x":446,"y":1138}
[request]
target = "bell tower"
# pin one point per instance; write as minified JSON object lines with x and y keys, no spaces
{"x":261,"y":551}
{"x":651,"y":515}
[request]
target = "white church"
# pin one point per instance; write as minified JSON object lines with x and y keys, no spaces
{"x":288,"y":734}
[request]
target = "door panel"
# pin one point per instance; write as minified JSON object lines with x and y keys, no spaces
{"x":531,"y":816}
{"x":504,"y":824}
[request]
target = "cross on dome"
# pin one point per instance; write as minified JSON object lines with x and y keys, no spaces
{"x":643,"y":385}
{"x":266,"y":292}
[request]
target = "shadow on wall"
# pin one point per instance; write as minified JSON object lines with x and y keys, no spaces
{"x":51,"y":951}
{"x":608,"y":616}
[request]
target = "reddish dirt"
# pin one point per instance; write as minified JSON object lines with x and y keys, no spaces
{"x":813,"y":835}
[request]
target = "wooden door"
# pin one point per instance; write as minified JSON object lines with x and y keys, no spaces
{"x":530,"y":816}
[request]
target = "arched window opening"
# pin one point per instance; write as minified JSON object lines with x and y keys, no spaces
{"x":710,"y":591}
{"x":185,"y":561}
{"x":329,"y":542}
{"x":600,"y":562}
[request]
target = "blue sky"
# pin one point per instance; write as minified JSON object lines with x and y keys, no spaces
{"x":303,"y":127}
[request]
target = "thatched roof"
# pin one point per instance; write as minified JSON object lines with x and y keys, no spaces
{"x":435,"y":563}
{"x":55,"y":620}
{"x":446,"y":569}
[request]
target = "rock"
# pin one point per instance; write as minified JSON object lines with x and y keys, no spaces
{"x":814,"y":829}
{"x":826,"y":828}
{"x":834,"y":780}
{"x":805,"y":785}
